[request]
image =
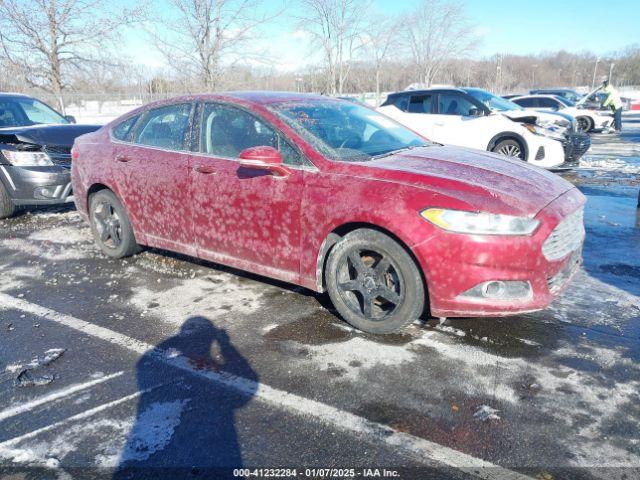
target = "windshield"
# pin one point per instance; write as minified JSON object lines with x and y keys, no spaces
{"x":491,"y":101}
{"x":23,"y":112}
{"x":346,"y":131}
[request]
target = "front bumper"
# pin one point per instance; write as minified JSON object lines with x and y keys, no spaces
{"x":37,"y":185}
{"x":544,"y":152}
{"x":470,"y":260}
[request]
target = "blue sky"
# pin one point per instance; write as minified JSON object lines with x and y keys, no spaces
{"x":504,"y":26}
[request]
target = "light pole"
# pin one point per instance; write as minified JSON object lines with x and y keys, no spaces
{"x":595,"y":70}
{"x":533,"y":76}
{"x":611,"y":71}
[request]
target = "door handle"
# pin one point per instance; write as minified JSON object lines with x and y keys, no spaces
{"x":437,"y":124}
{"x":204,"y":169}
{"x":123,"y":158}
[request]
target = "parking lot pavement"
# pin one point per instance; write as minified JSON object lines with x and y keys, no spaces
{"x":172,"y":361}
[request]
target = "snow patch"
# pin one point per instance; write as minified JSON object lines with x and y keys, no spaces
{"x":351,"y":356}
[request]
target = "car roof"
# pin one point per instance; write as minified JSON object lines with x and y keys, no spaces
{"x":13,"y":95}
{"x":255,"y":97}
{"x":541,"y":90}
{"x":426,"y":90}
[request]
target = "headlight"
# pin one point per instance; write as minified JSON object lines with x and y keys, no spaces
{"x":479,"y":223}
{"x":544,"y":132}
{"x":27,"y":159}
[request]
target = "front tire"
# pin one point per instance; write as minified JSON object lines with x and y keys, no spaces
{"x":510,"y":148}
{"x":374,"y":283}
{"x":110,"y":225}
{"x":584,"y":124}
{"x":7,"y":208}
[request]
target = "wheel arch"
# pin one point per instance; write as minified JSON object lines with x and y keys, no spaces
{"x":337,"y":233}
{"x":510,"y":136}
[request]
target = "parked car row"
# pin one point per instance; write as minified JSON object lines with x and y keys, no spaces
{"x":472,"y":117}
{"x":336,"y":197}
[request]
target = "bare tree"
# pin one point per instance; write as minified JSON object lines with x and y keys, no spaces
{"x":336,"y":27}
{"x":437,"y":31}
{"x":379,"y":45}
{"x":201,"y":37}
{"x":47,"y":40}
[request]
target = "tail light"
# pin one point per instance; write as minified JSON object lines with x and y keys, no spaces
{"x":74,"y":153}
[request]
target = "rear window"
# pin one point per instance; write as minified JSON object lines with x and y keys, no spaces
{"x":123,"y":130}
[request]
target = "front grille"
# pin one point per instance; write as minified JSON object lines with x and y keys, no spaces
{"x":566,"y":237}
{"x":556,"y":282}
{"x":59,"y":155}
{"x":575,"y":146}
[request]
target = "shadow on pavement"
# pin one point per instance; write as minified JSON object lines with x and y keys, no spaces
{"x":185,"y":424}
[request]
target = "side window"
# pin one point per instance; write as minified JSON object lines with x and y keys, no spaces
{"x":402,"y":103}
{"x":165,"y":127}
{"x":420,"y":104}
{"x":454,"y":104}
{"x":548,"y":103}
{"x":527,"y":102}
{"x":122,"y":130}
{"x":226,"y":131}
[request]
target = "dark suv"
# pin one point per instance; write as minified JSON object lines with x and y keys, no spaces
{"x":35,"y":153}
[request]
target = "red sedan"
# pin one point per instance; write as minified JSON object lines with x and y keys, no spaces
{"x":333,"y":196}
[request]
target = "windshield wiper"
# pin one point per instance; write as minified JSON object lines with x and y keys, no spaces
{"x":393,"y":152}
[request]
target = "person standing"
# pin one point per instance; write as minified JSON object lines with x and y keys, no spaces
{"x":612,"y":101}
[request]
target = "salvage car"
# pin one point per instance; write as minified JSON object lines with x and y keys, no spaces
{"x":475,"y":118}
{"x":35,"y":153}
{"x":333,"y":196}
{"x":588,"y":120}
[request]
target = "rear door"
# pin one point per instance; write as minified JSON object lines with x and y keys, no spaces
{"x":246,"y":214}
{"x":152,"y":172}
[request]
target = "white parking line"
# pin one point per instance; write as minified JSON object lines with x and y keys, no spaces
{"x":80,"y":416}
{"x":340,"y":419}
{"x":28,"y":406}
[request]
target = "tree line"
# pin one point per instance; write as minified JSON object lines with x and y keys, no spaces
{"x":58,"y":46}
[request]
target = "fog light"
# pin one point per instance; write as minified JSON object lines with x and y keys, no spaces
{"x":499,"y":290}
{"x":47,"y":192}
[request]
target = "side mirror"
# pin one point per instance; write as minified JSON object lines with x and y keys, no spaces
{"x":475,"y":112}
{"x":263,"y":158}
{"x":70,"y":118}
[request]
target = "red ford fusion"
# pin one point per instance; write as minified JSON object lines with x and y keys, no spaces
{"x":333,"y":196}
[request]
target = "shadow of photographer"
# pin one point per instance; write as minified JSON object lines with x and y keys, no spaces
{"x":185,"y":423}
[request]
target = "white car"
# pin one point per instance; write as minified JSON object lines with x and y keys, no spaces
{"x":587,"y":119}
{"x":471,"y":117}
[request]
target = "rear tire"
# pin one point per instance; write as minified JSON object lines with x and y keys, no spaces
{"x":510,"y":148}
{"x":374,"y":283}
{"x":7,"y":208}
{"x":110,"y":225}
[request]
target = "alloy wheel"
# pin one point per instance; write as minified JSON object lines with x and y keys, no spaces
{"x":108,"y":224}
{"x":369,"y":283}
{"x":510,"y":151}
{"x":583,"y":125}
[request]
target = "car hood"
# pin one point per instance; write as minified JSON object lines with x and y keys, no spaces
{"x":60,"y":135}
{"x":483,"y":180}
